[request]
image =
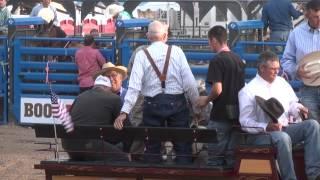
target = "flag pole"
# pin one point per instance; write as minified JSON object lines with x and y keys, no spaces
{"x":55,"y":134}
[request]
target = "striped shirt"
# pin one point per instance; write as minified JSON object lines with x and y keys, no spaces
{"x":302,"y":40}
{"x":143,"y":78}
{"x":4,"y":16}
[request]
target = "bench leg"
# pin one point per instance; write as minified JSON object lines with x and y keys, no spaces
{"x":48,"y":175}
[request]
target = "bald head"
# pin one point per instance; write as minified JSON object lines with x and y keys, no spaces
{"x":157,"y":31}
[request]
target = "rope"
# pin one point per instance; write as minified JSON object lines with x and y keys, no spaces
{"x":3,"y":64}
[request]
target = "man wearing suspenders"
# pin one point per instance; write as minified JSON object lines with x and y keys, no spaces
{"x":165,"y":102}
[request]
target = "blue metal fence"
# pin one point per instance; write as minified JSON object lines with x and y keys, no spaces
{"x":4,"y":80}
{"x":31,"y":102}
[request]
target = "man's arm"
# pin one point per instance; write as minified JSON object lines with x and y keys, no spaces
{"x":294,"y":12}
{"x":248,"y":116}
{"x":288,"y":60}
{"x":101,"y":60}
{"x":215,"y":92}
{"x":188,"y":81}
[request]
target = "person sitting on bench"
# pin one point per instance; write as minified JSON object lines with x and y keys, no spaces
{"x":164,"y":92}
{"x":97,"y":106}
{"x":269,"y":103}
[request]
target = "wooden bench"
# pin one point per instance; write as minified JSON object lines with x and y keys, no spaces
{"x":58,"y":168}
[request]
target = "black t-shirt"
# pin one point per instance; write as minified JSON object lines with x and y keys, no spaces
{"x":95,"y":107}
{"x":229,"y":69}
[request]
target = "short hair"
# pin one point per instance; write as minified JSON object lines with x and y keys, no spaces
{"x":88,"y":40}
{"x":266,"y":56}
{"x":219,"y":33}
{"x":157,"y":27}
{"x":313,"y":5}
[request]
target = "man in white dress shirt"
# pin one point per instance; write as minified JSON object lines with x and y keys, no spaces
{"x":290,"y":129}
{"x":165,"y":101}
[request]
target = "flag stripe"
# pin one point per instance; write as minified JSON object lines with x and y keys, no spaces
{"x":60,"y":112}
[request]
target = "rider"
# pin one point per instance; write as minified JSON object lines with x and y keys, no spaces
{"x":38,"y":9}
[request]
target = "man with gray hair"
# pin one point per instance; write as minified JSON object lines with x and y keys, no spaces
{"x":164,"y":93}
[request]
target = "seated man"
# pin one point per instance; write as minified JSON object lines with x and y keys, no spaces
{"x":285,"y":127}
{"x":97,"y":106}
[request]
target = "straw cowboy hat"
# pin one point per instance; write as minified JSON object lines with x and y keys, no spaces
{"x":107,"y":67}
{"x":46,"y":14}
{"x":311,"y":63}
{"x":114,"y":9}
{"x":272,"y":107}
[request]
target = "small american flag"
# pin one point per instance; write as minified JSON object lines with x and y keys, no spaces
{"x":60,"y":111}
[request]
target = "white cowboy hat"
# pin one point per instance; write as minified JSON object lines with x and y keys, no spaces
{"x":46,"y":14}
{"x":107,"y":67}
{"x":114,"y":9}
{"x":311,"y":62}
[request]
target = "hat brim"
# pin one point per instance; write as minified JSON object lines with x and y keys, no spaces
{"x":309,"y":62}
{"x":107,"y":70}
{"x":261,"y":103}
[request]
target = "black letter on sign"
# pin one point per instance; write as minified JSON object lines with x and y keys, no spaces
{"x":28,"y":110}
{"x":47,"y":110}
{"x":38,"y":110}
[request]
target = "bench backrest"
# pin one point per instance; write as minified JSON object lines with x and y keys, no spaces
{"x":141,"y":133}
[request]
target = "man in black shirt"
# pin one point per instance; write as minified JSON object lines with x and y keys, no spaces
{"x":97,"y":106}
{"x":226,"y":75}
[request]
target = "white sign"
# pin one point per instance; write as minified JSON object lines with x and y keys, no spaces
{"x":38,"y":110}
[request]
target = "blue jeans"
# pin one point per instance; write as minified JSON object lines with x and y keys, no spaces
{"x":222,"y":152}
{"x":310,"y":97}
{"x":170,"y":110}
{"x":307,"y":132}
{"x":279,"y":36}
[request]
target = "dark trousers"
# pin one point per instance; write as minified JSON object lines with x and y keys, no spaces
{"x":170,"y":110}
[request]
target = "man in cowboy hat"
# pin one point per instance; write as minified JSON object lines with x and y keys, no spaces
{"x":117,"y":74}
{"x":97,"y":106}
{"x":304,"y":39}
{"x":45,"y":10}
{"x":269,"y":104}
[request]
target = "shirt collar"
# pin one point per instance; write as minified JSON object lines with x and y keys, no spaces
{"x":264,"y":82}
{"x":311,"y":29}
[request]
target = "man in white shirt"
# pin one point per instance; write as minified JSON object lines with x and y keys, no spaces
{"x":290,"y":129}
{"x":45,"y":4}
{"x":164,"y":94}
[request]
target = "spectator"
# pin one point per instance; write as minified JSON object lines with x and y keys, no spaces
{"x":97,"y":106}
{"x":303,"y":40}
{"x":269,"y":104}
{"x":278,"y":15}
{"x":89,"y":60}
{"x":5,"y":14}
{"x":117,"y":74}
{"x":36,"y":11}
{"x":226,"y":75}
{"x":117,"y":12}
{"x":164,"y":98}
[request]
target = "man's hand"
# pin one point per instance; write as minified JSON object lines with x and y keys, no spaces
{"x":303,"y":111}
{"x":202,"y":101}
{"x":274,"y":127}
{"x":118,"y":123}
{"x":302,"y":73}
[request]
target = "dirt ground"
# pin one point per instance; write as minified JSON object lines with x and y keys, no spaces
{"x":18,"y":153}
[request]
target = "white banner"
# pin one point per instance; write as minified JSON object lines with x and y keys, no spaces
{"x":38,"y":110}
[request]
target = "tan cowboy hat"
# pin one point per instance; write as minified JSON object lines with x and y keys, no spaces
{"x":46,"y":14}
{"x":114,"y":9}
{"x":107,"y":67}
{"x":311,"y":62}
